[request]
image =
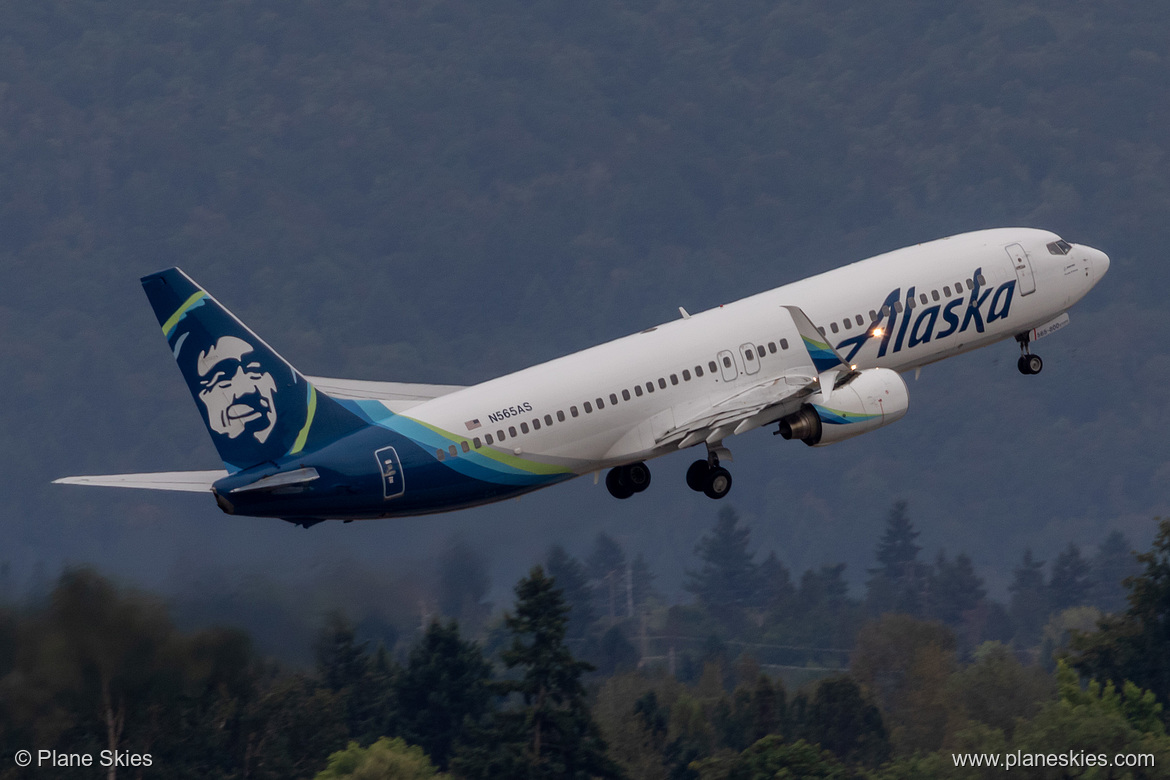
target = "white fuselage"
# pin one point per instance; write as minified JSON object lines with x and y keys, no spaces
{"x":1013,"y":293}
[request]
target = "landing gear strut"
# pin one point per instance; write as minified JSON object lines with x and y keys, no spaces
{"x":625,"y":481}
{"x":1028,"y":363}
{"x":707,"y":476}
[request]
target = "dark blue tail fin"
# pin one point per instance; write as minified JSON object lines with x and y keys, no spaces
{"x":256,"y":406}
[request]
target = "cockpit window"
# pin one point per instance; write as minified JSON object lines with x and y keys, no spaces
{"x":1061,"y":247}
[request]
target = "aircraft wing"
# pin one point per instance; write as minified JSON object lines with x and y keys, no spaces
{"x":399,"y":396}
{"x":184,"y":481}
{"x":818,"y":367}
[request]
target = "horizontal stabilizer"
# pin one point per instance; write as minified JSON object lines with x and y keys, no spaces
{"x":398,"y":396}
{"x":185,"y":481}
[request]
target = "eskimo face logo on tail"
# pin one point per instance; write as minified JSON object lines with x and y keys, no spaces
{"x":239,"y":395}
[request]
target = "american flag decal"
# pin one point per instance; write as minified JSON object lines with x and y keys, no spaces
{"x":472,"y":424}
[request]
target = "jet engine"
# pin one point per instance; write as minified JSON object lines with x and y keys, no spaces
{"x":873,"y":398}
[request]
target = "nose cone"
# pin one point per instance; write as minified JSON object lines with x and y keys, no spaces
{"x":1097,"y":261}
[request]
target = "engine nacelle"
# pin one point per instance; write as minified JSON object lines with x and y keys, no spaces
{"x":876,"y":397}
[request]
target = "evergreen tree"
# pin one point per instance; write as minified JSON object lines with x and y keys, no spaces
{"x":344,"y":668}
{"x":729,"y":579}
{"x":1135,"y":646}
{"x":1112,"y":564}
{"x":445,"y":682}
{"x":1029,"y":600}
{"x":643,"y":581}
{"x":551,"y":734}
{"x":573,"y":582}
{"x":955,"y":588}
{"x":776,"y":591}
{"x":1070,"y":583}
{"x":899,"y":581}
{"x":606,"y":569}
{"x":840,"y":720}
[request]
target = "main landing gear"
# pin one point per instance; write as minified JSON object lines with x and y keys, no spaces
{"x":1028,"y":363}
{"x":625,"y":481}
{"x":707,"y":476}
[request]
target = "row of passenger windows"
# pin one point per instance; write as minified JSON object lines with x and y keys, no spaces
{"x":876,"y":315}
{"x":599,"y":403}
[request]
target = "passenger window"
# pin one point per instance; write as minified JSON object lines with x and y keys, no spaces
{"x":674,"y":379}
{"x":649,"y":387}
{"x":638,"y":390}
{"x":898,"y":307}
{"x":747,"y":353}
{"x":512,"y":431}
{"x":465,"y":446}
{"x":783,"y":343}
{"x":982,"y":281}
{"x":910,"y":303}
{"x":886,"y":310}
{"x":588,"y":407}
{"x":848,"y":323}
{"x":711,"y":365}
{"x":573,"y":410}
{"x":822,"y":330}
{"x":874,"y":316}
{"x":698,"y":371}
{"x":613,"y":399}
{"x":500,"y":435}
{"x":860,"y":320}
{"x":625,"y":395}
{"x":686,"y":375}
{"x":535,"y":423}
{"x":947,"y":290}
{"x":661,"y":383}
{"x":833,"y":325}
{"x":934,"y":294}
{"x":772,"y":347}
{"x":476,"y":442}
{"x":488,"y":438}
{"x":600,"y":404}
{"x":523,"y":427}
{"x":970,"y":285}
{"x":924,"y":299}
{"x":760,"y":350}
{"x":548,"y":419}
{"x":453,"y":450}
{"x":560,"y":416}
{"x":439,"y":454}
{"x":726,"y":362}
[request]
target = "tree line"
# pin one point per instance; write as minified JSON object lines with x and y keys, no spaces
{"x":96,"y":666}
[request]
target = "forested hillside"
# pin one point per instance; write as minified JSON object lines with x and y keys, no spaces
{"x":445,"y":191}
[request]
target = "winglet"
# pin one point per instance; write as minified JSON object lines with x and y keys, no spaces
{"x":824,"y":355}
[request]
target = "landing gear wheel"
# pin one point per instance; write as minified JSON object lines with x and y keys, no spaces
{"x":1030,"y":364}
{"x":718,"y":482}
{"x":637,"y":476}
{"x":697,"y":476}
{"x":616,"y":484}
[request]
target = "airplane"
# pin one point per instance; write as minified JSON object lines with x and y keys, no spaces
{"x":820,"y":359}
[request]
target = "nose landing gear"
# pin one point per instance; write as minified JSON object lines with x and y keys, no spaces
{"x":1028,"y":363}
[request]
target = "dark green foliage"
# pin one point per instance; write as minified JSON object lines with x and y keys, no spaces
{"x":1135,"y":645}
{"x":1071,"y":581}
{"x":843,"y":722}
{"x":606,"y":569}
{"x":955,"y":588}
{"x":899,"y":582}
{"x":549,"y":732}
{"x":643,"y":581}
{"x":573,"y":582}
{"x":729,"y":580}
{"x":345,"y":668}
{"x":1112,"y":564}
{"x":444,"y":684}
{"x":1029,"y":600}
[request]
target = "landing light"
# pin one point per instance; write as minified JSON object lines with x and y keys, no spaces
{"x":853,"y":367}
{"x":878,"y":332}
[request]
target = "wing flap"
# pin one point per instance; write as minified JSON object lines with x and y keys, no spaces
{"x":745,"y":409}
{"x":183,"y":481}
